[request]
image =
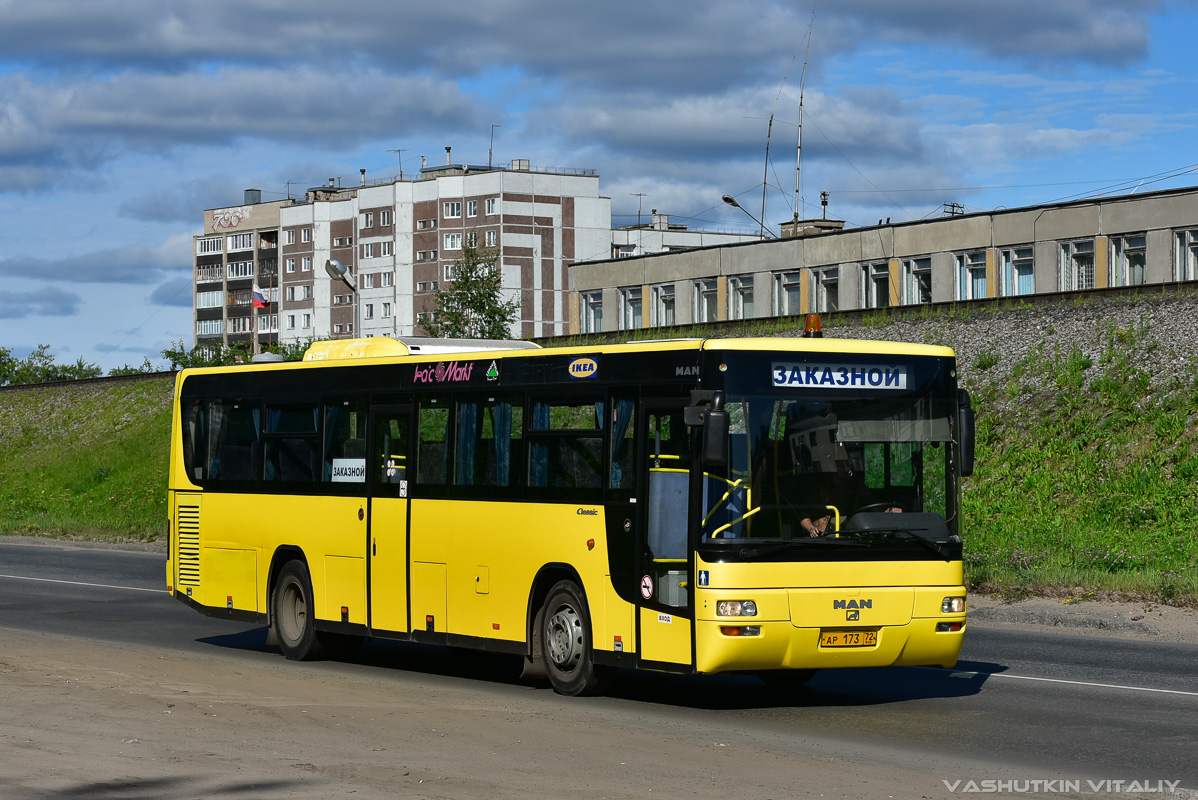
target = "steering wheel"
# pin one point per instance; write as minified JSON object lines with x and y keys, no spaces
{"x":877,"y":507}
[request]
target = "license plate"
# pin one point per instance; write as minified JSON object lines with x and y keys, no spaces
{"x":848,"y":638}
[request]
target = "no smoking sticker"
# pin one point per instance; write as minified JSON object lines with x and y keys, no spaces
{"x":646,"y":587}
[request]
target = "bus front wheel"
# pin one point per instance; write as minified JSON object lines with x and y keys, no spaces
{"x":295,"y":614}
{"x":566,"y":643}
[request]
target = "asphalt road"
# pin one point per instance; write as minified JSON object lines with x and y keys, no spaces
{"x":1033,"y":705}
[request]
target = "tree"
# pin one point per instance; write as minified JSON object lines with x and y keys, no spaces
{"x":472,"y":307}
{"x":217,"y":355}
{"x":129,"y":369}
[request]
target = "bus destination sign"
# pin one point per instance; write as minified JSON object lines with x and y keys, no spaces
{"x":839,"y":376}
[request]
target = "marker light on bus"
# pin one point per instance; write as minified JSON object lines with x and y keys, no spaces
{"x":736,"y":608}
{"x":953,"y":605}
{"x":740,"y":630}
{"x":947,"y":627}
{"x":812,"y":328}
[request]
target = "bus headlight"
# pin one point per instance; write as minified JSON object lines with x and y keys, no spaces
{"x":736,"y":608}
{"x":953,"y":605}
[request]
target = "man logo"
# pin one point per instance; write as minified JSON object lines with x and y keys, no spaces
{"x":685,"y":372}
{"x":852,"y":604}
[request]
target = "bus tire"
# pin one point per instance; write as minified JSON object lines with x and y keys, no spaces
{"x":295,"y":613}
{"x":566,"y":643}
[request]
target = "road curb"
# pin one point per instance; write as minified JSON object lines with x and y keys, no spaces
{"x":46,"y":541}
{"x":1059,"y":619}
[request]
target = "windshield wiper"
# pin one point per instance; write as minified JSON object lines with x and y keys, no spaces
{"x":753,"y":552}
{"x":925,"y":541}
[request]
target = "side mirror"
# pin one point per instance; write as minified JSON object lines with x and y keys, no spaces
{"x":715,"y":438}
{"x":965,"y":432}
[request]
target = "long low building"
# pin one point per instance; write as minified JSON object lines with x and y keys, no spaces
{"x":1129,"y":240}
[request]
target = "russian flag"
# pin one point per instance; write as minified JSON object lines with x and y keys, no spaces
{"x":259,"y":298}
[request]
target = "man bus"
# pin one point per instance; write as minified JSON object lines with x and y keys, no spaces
{"x":644,"y":505}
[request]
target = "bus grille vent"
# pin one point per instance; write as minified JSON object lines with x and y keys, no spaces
{"x":189,"y":545}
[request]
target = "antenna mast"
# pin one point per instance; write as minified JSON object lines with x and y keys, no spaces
{"x":399,"y":155}
{"x":799,"y":146}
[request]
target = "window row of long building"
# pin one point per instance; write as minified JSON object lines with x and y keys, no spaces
{"x":1134,"y":240}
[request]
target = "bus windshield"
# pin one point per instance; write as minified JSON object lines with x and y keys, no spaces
{"x":801,"y":465}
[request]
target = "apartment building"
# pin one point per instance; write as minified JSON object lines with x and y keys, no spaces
{"x":1131,"y":240}
{"x":398,"y":241}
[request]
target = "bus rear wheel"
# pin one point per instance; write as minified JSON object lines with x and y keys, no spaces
{"x":295,"y":614}
{"x":566,"y":643}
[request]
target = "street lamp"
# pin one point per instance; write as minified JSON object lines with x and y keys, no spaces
{"x":730,"y":200}
{"x":338,"y":272}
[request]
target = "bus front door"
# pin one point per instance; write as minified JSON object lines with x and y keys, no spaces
{"x":665,"y":584}
{"x":387,"y":545}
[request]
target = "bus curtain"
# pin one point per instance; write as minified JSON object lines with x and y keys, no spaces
{"x":332,"y":413}
{"x":501,"y":421}
{"x":468,"y":424}
{"x":539,"y":467}
{"x":619,"y":444}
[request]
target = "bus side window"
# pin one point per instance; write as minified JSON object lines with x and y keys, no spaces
{"x":623,"y":450}
{"x":433,"y":448}
{"x":236,"y":451}
{"x":291,"y":442}
{"x":489,"y":435}
{"x":566,"y":445}
{"x":344,"y":442}
{"x":391,"y":445}
{"x":195,"y":438}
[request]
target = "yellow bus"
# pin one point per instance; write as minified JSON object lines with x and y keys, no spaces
{"x":771,"y":506}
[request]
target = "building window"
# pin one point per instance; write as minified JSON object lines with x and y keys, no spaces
{"x":268,"y":323}
{"x":338,"y":328}
{"x":289,"y":237}
{"x":827,"y":289}
{"x":307,"y":294}
{"x":386,"y":310}
{"x":426,"y":224}
{"x":1128,"y":260}
{"x":241,"y":269}
{"x":367,"y":219}
{"x":492,"y":206}
{"x":472,"y":238}
{"x":367,"y":281}
{"x":472,"y":208}
{"x":209,"y":245}
{"x":239,"y":241}
{"x":239,"y":325}
{"x":788,"y":294}
{"x":291,"y":322}
{"x":452,"y":271}
{"x":209,"y":273}
{"x":368,"y":250}
{"x":1185,"y":256}
{"x":971,"y":275}
{"x":368,"y":311}
{"x":917,"y":281}
{"x":306,"y":264}
{"x":386,"y":279}
{"x":306,"y":235}
{"x":451,"y":210}
{"x":453,"y":241}
{"x":290,"y":294}
{"x":307,"y":321}
{"x":662,"y":312}
{"x":706,"y":300}
{"x":592,"y":312}
{"x":1017,"y":276}
{"x":385,"y":248}
{"x":339,"y":299}
{"x":208,"y":299}
{"x":740,"y":297}
{"x":291,"y":265}
{"x":631,"y":309}
{"x":492,"y":238}
{"x":1077,"y":266}
{"x":384,"y":218}
{"x":875,"y":285}
{"x":209,"y":327}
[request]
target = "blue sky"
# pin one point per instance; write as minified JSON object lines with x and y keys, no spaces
{"x":121,"y":120}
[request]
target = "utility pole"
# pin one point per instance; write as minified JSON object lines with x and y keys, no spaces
{"x":639,"y":197}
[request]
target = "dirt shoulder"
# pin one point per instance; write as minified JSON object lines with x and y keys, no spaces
{"x":1113,"y":618}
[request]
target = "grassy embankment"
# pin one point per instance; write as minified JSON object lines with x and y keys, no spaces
{"x":87,"y":461}
{"x":1087,"y":476}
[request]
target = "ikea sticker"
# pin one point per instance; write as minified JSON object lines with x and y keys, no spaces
{"x":583,"y":368}
{"x":666,"y":618}
{"x":839,"y":376}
